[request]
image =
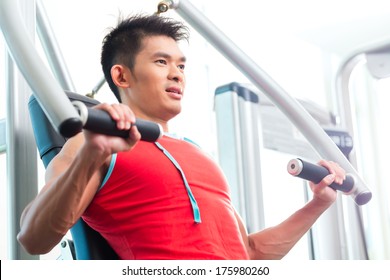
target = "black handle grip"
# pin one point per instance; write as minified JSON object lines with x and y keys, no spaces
{"x":101,"y":122}
{"x":315,"y":173}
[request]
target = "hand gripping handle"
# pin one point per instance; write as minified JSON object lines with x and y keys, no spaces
{"x":315,"y":173}
{"x":101,"y":122}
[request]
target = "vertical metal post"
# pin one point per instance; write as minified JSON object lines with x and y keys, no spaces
{"x":342,"y":96}
{"x":360,"y":243}
{"x":21,"y":149}
{"x":2,"y":136}
{"x":51,"y":48}
{"x":240,"y":142}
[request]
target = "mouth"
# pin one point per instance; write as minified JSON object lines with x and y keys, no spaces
{"x":175,"y":92}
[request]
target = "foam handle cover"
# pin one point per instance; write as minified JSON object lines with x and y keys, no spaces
{"x":315,"y":173}
{"x":101,"y":122}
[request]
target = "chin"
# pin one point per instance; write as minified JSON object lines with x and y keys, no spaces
{"x":174,"y":112}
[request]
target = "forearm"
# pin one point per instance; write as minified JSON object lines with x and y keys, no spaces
{"x":58,"y":207}
{"x":277,"y":241}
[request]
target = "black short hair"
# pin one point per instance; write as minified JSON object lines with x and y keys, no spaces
{"x":123,"y":43}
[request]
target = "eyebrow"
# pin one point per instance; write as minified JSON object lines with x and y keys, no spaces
{"x":168,"y":56}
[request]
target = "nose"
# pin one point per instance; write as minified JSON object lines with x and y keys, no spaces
{"x":176,"y":74}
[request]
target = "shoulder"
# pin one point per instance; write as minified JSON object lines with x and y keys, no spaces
{"x":176,"y":137}
{"x":190,"y":141}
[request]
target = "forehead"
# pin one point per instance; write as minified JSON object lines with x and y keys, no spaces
{"x":153,"y":45}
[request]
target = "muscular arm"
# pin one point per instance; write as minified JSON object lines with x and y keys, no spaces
{"x":275,"y":242}
{"x":71,"y":182}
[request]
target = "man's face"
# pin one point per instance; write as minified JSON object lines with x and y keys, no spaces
{"x":158,"y":81}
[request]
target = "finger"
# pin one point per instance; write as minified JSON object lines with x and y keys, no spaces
{"x":109,"y":109}
{"x":329,"y":179}
{"x":122,"y":114}
{"x":134,"y":135}
{"x":123,"y":122}
{"x":334,"y":168}
{"x":128,"y":116}
{"x":340,"y":174}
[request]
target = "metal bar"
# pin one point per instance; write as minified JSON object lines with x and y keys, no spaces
{"x":2,"y":136}
{"x":343,"y":94}
{"x":313,"y":132}
{"x":52,"y":50}
{"x":239,"y":142}
{"x":22,"y":178}
{"x":47,"y":90}
{"x":99,"y":85}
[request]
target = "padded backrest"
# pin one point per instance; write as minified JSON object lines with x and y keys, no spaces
{"x":88,"y":244}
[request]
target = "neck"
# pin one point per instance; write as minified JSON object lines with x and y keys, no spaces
{"x":163,"y":123}
{"x":164,"y":126}
{"x":145,"y":116}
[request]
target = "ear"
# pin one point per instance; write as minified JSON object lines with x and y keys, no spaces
{"x":121,"y":76}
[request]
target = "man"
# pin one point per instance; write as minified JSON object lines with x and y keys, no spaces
{"x":163,"y":200}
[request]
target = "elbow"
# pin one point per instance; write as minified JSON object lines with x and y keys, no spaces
{"x":27,"y":246}
{"x":265,"y":249}
{"x":38,"y":239}
{"x":30,"y":245}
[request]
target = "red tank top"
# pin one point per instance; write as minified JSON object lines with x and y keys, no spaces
{"x":144,"y":210}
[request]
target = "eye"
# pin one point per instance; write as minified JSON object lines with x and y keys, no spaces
{"x":181,"y":66}
{"x":161,"y":61}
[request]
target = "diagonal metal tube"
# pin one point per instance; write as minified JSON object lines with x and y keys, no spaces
{"x":47,"y":90}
